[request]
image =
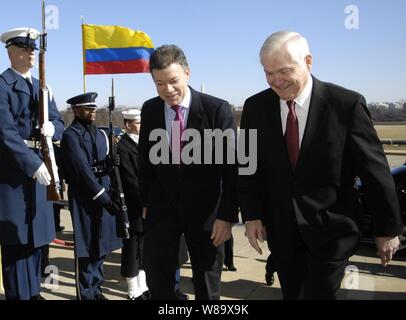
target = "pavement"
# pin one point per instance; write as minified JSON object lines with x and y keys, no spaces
{"x":365,"y":277}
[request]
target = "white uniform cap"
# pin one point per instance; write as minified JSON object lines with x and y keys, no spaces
{"x":24,"y":37}
{"x":132,"y":114}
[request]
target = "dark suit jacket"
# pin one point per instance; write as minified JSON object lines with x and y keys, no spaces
{"x":129,"y":171}
{"x":201,"y":192}
{"x":316,"y":202}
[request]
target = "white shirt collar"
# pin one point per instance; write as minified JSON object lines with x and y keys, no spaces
{"x":185,"y":102}
{"x":134,"y":137}
{"x":24,"y":75}
{"x":304,"y":96}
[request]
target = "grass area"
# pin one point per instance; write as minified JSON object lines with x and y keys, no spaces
{"x":396,"y":132}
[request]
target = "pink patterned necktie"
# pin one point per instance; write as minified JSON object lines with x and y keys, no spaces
{"x":178,"y":126}
{"x":292,"y":134}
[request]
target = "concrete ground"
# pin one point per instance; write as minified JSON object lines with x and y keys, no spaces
{"x":365,"y":279}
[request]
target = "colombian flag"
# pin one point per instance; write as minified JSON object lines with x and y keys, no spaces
{"x":115,"y":49}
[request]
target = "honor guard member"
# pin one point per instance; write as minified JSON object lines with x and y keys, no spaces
{"x":131,"y":256}
{"x":26,"y":217}
{"x":85,"y":152}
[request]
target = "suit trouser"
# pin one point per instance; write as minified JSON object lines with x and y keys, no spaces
{"x":131,"y":256}
{"x":229,"y":252}
{"x":89,"y":277}
{"x":21,"y":266}
{"x":161,"y":245}
{"x":270,"y":265}
{"x":309,"y":276}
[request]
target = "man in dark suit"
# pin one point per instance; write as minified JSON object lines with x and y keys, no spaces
{"x":132,"y":252}
{"x":198,"y":200}
{"x":26,"y":219}
{"x":85,"y":150}
{"x":314,"y":138}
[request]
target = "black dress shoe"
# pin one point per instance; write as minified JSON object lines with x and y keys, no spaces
{"x":146,"y":295}
{"x":231,"y":268}
{"x":100,"y":297}
{"x":59,"y":228}
{"x":180,"y":295}
{"x":38,"y":297}
{"x":269,"y":278}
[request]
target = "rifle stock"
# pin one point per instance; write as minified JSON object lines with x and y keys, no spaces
{"x":47,"y":148}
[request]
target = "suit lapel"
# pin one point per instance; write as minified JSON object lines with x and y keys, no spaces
{"x":318,"y":110}
{"x":160,"y":115}
{"x":276,"y":151}
{"x":130,"y":143}
{"x":35,"y":85}
{"x":19,"y":83}
{"x":195,"y":113}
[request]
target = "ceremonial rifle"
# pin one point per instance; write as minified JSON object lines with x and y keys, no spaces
{"x":117,"y":193}
{"x":47,"y":148}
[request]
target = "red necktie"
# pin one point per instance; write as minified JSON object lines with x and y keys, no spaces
{"x":292,"y":134}
{"x":178,"y":126}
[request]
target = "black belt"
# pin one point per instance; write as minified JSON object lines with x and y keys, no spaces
{"x":100,"y":169}
{"x":32,"y":144}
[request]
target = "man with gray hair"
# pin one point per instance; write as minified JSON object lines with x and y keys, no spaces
{"x":314,"y":138}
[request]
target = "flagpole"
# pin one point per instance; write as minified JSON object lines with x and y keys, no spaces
{"x":84,"y":55}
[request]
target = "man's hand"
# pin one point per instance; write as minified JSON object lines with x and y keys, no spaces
{"x":48,"y":129}
{"x":144,"y":213}
{"x":254,"y":230}
{"x":386,"y":248}
{"x":42,"y":175}
{"x":221,"y":232}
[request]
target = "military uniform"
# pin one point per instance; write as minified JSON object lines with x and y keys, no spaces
{"x":85,"y":151}
{"x":132,"y":253}
{"x":26,"y":217}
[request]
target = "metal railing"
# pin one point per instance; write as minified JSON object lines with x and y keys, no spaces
{"x":393,"y":142}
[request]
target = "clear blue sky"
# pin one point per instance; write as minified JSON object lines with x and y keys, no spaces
{"x":222,"y":38}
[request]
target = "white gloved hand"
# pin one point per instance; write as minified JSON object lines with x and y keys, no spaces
{"x":48,"y":129}
{"x":42,"y":175}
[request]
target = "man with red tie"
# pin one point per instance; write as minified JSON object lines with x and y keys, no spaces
{"x":198,"y":200}
{"x":314,"y":138}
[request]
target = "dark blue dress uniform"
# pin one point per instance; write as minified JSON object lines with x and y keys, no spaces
{"x":85,"y":150}
{"x":26,"y":217}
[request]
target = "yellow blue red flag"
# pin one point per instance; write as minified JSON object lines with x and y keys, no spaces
{"x":115,"y":49}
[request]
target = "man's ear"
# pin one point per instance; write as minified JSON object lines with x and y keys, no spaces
{"x":187,"y":72}
{"x":309,"y":62}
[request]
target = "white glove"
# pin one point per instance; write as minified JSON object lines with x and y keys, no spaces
{"x":42,"y":175}
{"x":48,"y":129}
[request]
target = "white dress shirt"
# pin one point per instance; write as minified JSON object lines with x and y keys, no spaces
{"x":302,"y":103}
{"x":24,"y":75}
{"x":134,"y":137}
{"x":170,"y":114}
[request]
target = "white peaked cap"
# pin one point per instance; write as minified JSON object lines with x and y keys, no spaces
{"x":132,"y":114}
{"x":17,"y":33}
